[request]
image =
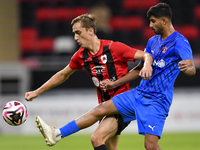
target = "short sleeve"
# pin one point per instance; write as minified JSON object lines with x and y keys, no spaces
{"x":76,"y":62}
{"x":123,"y":51}
{"x":183,"y":49}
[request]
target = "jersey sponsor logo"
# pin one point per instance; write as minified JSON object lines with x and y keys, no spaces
{"x":152,"y":128}
{"x":98,"y":69}
{"x":159,"y":63}
{"x":95,"y":81}
{"x":164,"y":49}
{"x":104,"y":58}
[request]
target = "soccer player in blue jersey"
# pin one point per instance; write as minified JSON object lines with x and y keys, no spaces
{"x":148,"y":103}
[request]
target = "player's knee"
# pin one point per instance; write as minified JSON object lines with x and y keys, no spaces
{"x":96,"y":140}
{"x":99,"y":111}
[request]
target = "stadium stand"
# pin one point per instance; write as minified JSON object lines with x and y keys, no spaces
{"x":45,"y":25}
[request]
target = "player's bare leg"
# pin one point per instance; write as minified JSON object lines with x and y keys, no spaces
{"x":151,"y":142}
{"x":106,"y":133}
{"x":97,"y":113}
{"x":112,"y":142}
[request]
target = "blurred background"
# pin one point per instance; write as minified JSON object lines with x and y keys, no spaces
{"x":36,"y":41}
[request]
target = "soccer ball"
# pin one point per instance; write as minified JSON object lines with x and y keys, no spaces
{"x":15,"y":113}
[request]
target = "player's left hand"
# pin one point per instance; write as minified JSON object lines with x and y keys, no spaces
{"x":146,"y":72}
{"x":182,"y":65}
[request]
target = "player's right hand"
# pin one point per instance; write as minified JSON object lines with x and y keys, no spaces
{"x":29,"y":96}
{"x":107,"y":84}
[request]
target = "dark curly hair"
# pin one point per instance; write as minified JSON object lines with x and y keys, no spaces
{"x":160,"y":10}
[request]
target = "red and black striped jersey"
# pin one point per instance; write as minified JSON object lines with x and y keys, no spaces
{"x":109,"y":63}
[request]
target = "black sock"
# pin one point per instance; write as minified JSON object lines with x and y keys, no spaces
{"x":101,"y":147}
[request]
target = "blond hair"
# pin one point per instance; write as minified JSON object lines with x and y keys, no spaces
{"x":87,"y":21}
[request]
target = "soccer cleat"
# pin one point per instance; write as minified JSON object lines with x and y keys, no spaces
{"x":47,"y":132}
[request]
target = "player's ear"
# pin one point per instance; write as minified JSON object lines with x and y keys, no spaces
{"x":164,"y":20}
{"x":91,"y":31}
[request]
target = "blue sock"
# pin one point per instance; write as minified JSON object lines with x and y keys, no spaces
{"x":69,"y":128}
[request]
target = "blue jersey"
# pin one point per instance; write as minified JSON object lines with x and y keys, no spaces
{"x":166,"y":56}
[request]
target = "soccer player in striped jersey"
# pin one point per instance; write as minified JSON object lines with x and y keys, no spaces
{"x":103,"y":60}
{"x":148,"y":103}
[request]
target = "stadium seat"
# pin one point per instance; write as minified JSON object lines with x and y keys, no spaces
{"x":138,"y":4}
{"x":191,"y":32}
{"x":60,"y":13}
{"x":129,"y":23}
{"x":197,"y":12}
{"x":28,"y":39}
{"x":45,"y":14}
{"x":63,"y":14}
{"x":117,"y":23}
{"x":134,"y":22}
{"x":45,"y":44}
{"x":64,"y":44}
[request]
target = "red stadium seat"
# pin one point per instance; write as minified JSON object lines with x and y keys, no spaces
{"x":28,"y":39}
{"x":138,"y":4}
{"x":63,"y":13}
{"x":60,"y":13}
{"x":129,"y":23}
{"x":197,"y":12}
{"x":45,"y":44}
{"x":191,"y":32}
{"x":45,"y":14}
{"x":117,"y":23}
{"x":134,"y":23}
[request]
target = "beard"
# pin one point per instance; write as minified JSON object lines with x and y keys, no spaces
{"x":158,"y":30}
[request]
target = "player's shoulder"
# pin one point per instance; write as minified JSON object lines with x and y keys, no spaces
{"x":116,"y":45}
{"x":78,"y":53}
{"x":106,"y":42}
{"x":180,"y":38}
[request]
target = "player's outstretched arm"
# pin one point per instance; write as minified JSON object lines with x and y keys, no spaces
{"x":187,"y":67}
{"x":54,"y":81}
{"x":131,"y":75}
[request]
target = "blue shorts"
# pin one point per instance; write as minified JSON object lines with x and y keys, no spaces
{"x":149,"y":114}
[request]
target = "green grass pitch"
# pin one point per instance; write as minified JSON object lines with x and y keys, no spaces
{"x":169,"y":141}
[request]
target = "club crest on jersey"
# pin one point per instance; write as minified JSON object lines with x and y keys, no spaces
{"x":104,"y":58}
{"x":164,"y":49}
